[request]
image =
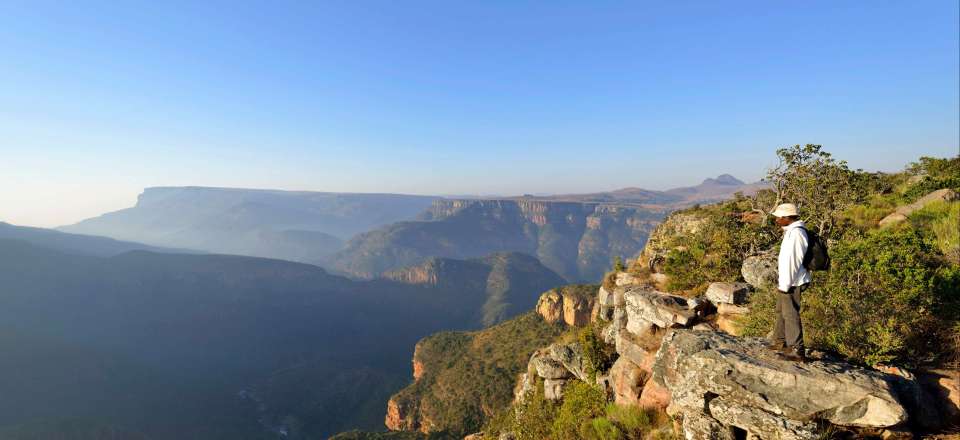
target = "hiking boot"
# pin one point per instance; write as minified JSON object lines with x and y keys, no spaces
{"x":796,"y":354}
{"x":779,"y":346}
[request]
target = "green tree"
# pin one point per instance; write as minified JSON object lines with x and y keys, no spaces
{"x":819,"y":185}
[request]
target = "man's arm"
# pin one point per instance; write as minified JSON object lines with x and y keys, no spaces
{"x":791,"y":258}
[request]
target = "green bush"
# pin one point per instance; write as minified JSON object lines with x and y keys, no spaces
{"x":717,"y":250}
{"x":533,"y":419}
{"x":882,"y":300}
{"x":600,"y":428}
{"x":582,"y":402}
{"x":942,"y":220}
{"x":632,"y":420}
{"x":937,"y":174}
{"x":597,"y":355}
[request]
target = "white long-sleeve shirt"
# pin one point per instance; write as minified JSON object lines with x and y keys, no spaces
{"x":790,"y":261}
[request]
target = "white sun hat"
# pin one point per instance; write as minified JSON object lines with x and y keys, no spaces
{"x":786,"y":210}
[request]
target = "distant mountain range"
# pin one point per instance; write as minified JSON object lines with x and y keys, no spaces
{"x":292,"y":225}
{"x":178,"y":346}
{"x":367,"y":235}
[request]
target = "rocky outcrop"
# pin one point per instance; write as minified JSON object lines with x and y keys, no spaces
{"x":901,"y":214}
{"x":550,"y":306}
{"x":658,"y":244}
{"x":401,"y":415}
{"x":720,"y":384}
{"x":556,"y":365}
{"x":571,"y":304}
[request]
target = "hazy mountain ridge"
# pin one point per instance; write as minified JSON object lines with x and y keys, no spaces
{"x":76,"y":243}
{"x":293,"y":225}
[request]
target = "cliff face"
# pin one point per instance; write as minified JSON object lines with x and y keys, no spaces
{"x":500,"y":285}
{"x":576,"y":240}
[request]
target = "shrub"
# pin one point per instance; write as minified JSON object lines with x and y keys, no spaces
{"x":582,"y":402}
{"x":937,"y":174}
{"x":600,"y":428}
{"x":632,"y":420}
{"x":717,"y":250}
{"x":597,"y":355}
{"x":880,"y":301}
{"x":533,"y":419}
{"x":943,"y":220}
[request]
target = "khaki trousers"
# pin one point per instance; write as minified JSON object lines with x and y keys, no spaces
{"x":787,"y":329}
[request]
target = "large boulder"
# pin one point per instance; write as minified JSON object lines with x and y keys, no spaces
{"x":571,"y":357}
{"x":546,"y":366}
{"x":760,"y":271}
{"x":739,"y":383}
{"x":728,"y":293}
{"x":649,"y":307}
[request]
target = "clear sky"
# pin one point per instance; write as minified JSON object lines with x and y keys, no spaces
{"x":99,"y":100}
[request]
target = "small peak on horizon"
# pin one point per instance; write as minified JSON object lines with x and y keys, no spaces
{"x":723,"y":179}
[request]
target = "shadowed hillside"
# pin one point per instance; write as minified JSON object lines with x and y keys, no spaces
{"x":172,"y":346}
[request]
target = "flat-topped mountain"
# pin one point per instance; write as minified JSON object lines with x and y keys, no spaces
{"x":300,"y":226}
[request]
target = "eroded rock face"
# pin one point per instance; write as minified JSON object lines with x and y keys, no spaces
{"x":627,"y":381}
{"x":760,"y":271}
{"x":718,"y":380}
{"x":401,"y":416}
{"x":550,"y":306}
{"x":649,"y":307}
{"x":576,"y":310}
{"x":728,"y":293}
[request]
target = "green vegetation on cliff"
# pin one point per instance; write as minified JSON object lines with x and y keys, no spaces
{"x":468,"y":376}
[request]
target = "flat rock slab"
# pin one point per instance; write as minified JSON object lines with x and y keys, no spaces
{"x":756,"y":385}
{"x":663,"y":310}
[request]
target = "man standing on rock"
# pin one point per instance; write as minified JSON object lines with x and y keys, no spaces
{"x":793,"y":279}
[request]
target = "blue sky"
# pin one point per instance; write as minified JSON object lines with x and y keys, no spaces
{"x":98,"y":100}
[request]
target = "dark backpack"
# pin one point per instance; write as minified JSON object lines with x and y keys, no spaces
{"x":816,"y":257}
